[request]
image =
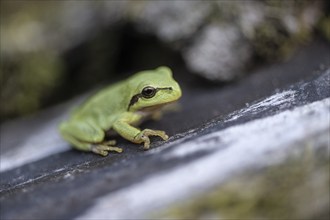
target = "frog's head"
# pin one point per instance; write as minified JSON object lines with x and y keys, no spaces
{"x":152,"y":89}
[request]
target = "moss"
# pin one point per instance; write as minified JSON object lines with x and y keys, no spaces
{"x":324,"y":27}
{"x":26,"y":81}
{"x":296,"y":189}
{"x":272,"y":41}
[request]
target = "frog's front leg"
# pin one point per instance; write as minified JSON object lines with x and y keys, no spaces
{"x":126,"y":130}
{"x":87,"y":137}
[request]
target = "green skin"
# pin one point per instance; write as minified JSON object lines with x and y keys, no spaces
{"x":121,"y":107}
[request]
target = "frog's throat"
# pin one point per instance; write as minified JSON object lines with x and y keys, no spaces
{"x":155,"y":107}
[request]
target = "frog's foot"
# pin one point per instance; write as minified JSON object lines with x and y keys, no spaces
{"x":104,"y":148}
{"x":143,"y":137}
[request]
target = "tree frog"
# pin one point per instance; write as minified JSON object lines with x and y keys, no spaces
{"x":120,"y":108}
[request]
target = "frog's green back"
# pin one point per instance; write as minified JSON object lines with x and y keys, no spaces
{"x":104,"y":104}
{"x":104,"y":107}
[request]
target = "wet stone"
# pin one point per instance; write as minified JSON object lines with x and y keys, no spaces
{"x":264,"y":122}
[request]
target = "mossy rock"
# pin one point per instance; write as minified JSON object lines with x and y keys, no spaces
{"x":295,"y":189}
{"x":26,"y":81}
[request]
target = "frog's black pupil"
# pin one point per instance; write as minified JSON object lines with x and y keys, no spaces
{"x":148,"y":92}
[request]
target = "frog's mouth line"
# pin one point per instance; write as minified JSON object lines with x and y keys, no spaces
{"x":136,"y":97}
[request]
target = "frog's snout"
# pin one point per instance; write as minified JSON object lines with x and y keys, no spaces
{"x":177,"y":91}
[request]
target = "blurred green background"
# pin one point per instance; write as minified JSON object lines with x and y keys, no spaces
{"x":54,"y":50}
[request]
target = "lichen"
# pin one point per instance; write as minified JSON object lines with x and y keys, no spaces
{"x":295,"y":189}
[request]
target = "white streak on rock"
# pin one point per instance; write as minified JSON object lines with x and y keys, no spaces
{"x":272,"y":101}
{"x":46,"y":141}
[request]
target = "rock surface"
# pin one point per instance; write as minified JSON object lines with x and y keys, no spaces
{"x":221,"y":137}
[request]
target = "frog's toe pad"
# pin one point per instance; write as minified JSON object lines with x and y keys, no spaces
{"x":103,"y":150}
{"x":165,"y":137}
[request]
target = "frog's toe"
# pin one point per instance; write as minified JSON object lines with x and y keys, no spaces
{"x":109,"y":143}
{"x":100,"y":152}
{"x":163,"y":135}
{"x":103,"y":150}
{"x":158,"y":133}
{"x":146,"y":141}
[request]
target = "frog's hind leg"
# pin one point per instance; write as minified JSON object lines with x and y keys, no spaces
{"x":87,"y":137}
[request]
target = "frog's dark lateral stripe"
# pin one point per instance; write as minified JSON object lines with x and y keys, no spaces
{"x":136,"y":97}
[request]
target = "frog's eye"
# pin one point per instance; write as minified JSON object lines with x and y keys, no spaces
{"x":148,"y":92}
